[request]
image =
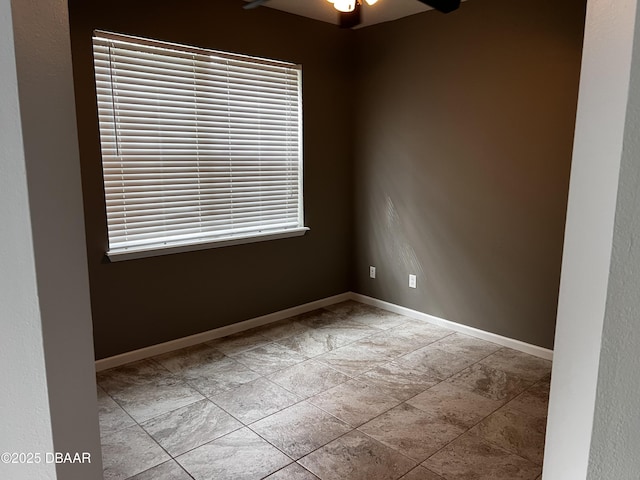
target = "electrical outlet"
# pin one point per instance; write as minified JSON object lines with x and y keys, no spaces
{"x":412,"y":281}
{"x":372,"y":272}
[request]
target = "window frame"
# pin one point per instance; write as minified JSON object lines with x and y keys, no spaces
{"x":208,"y":239}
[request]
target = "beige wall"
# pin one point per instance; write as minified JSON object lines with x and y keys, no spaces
{"x":143,"y":302}
{"x":464,"y":137}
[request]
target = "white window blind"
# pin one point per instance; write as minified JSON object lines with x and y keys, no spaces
{"x":198,"y":146}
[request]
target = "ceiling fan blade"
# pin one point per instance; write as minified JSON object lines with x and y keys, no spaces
{"x":444,"y":6}
{"x":350,"y":19}
{"x":254,"y":4}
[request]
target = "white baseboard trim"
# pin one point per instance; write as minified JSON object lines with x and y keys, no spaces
{"x":474,"y":332}
{"x":191,"y":340}
{"x":209,"y":335}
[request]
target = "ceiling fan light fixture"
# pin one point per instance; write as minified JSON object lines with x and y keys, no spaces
{"x":371,"y":2}
{"x":344,"y":5}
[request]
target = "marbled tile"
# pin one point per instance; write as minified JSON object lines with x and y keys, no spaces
{"x":489,"y":382}
{"x":421,"y":332}
{"x":239,"y":342}
{"x":389,"y":343}
{"x":188,"y":358}
{"x":148,"y":400}
{"x":516,"y":432}
{"x":292,"y":472}
{"x":347,"y":331}
{"x":317,"y":318}
{"x":356,"y":456}
{"x":111,"y":416}
{"x":128,"y":452}
{"x":281,"y":329}
{"x":269,"y":358}
{"x":308,"y":378}
{"x":412,"y":432}
{"x":255,"y":400}
{"x":415,"y":334}
{"x":525,"y":366}
{"x":219,"y":376}
{"x":354,"y":402}
{"x":189,"y":427}
{"x":471,"y":347}
{"x":241,"y":455}
{"x":300,"y":429}
{"x":367,"y":315}
{"x":165,"y":471}
{"x":132,"y":374}
{"x":435,"y":362}
{"x":421,"y":473}
{"x":426,"y":329}
{"x":398,"y":381}
{"x":534,"y":400}
{"x":455,"y":405}
{"x":313,"y":342}
{"x":469,"y":457}
{"x":353,"y":359}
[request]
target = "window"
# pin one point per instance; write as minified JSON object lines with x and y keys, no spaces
{"x":200,"y":148}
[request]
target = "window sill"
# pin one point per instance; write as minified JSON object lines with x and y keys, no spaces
{"x":133,"y":253}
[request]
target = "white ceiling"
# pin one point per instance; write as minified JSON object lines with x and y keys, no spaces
{"x":383,"y":11}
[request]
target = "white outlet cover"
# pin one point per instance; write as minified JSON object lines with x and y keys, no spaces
{"x":412,"y":281}
{"x":372,"y":272}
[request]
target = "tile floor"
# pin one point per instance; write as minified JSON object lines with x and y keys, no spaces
{"x":349,"y":392}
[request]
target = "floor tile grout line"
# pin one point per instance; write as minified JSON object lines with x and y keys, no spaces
{"x":175,"y":375}
{"x":181,"y":378}
{"x":300,"y":399}
{"x":511,"y":453}
{"x":139,"y":423}
{"x":274,"y":446}
{"x":494,"y":412}
{"x":242,"y":425}
{"x":271,"y":341}
{"x":352,"y":376}
{"x":418,"y":462}
{"x":211,"y":343}
{"x":121,"y":408}
{"x":174,"y":457}
{"x":471,"y":427}
{"x":286,"y":466}
{"x":355,"y":429}
{"x":162,"y":463}
{"x":188,"y":383}
{"x":475,"y":425}
{"x":444,"y":380}
{"x":317,"y":448}
{"x":306,"y":398}
{"x":158,"y":444}
{"x":206,"y":396}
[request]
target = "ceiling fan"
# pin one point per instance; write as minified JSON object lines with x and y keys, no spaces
{"x":349,"y":11}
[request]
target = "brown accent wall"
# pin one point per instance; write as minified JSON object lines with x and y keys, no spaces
{"x":438,"y":145}
{"x":464,"y":136}
{"x":138,"y":303}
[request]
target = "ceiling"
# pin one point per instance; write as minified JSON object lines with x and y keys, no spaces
{"x":383,"y":11}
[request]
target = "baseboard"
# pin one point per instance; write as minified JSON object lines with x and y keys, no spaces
{"x":191,"y":340}
{"x":474,"y":332}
